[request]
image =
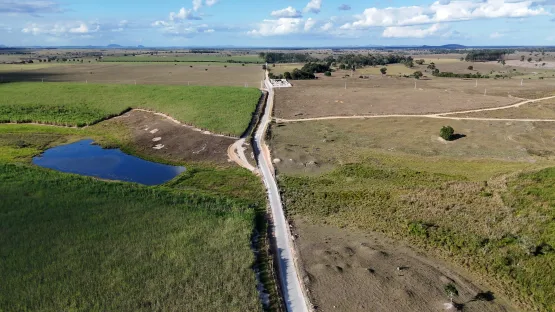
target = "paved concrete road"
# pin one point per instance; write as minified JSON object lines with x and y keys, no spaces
{"x":288,"y":275}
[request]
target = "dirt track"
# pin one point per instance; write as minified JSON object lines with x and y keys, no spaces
{"x":440,"y":115}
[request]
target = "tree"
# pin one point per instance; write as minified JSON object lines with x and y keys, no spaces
{"x":529,"y":59}
{"x":417,"y":74}
{"x":432,"y":66}
{"x":263,"y":66}
{"x":383,"y":70}
{"x":419,"y":62}
{"x":522,"y":58}
{"x":503,"y":62}
{"x":328,"y":73}
{"x":287,"y":75}
{"x":446,"y":133}
{"x":470,"y":67}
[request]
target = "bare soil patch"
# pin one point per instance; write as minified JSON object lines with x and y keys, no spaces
{"x":157,"y":136}
{"x":391,"y":95}
{"x":348,"y":270}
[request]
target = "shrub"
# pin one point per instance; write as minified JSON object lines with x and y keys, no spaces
{"x":328,"y":73}
{"x":383,"y":70}
{"x":446,"y":133}
{"x":470,"y":67}
{"x":417,"y":74}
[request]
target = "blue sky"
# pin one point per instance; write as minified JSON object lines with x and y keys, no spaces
{"x":284,"y":23}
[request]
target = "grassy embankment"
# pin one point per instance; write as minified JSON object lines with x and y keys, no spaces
{"x":187,"y":58}
{"x":80,"y":244}
{"x":491,"y":216}
{"x":224,"y":110}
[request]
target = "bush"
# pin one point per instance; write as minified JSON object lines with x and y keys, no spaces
{"x":328,"y":73}
{"x":417,"y":74}
{"x":470,"y":67}
{"x":446,"y":133}
{"x":383,"y":70}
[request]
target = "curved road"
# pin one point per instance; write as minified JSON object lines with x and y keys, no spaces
{"x":288,"y":274}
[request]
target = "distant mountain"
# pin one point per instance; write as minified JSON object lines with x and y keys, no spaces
{"x":114,"y":46}
{"x":3,"y":46}
{"x":446,"y":46}
{"x":140,"y":46}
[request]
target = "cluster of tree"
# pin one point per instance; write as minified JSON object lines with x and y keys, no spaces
{"x":350,"y":61}
{"x":202,"y":51}
{"x":276,"y":57}
{"x":313,"y":67}
{"x":437,"y":73}
{"x":296,"y":74}
{"x":486,"y":55}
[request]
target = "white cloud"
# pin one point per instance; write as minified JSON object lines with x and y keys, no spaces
{"x":314,"y":6}
{"x":287,"y":12}
{"x":29,"y":7}
{"x":197,"y":4}
{"x":310,"y":22}
{"x":327,"y":26}
{"x":444,"y":11}
{"x":281,"y":26}
{"x":61,"y":29}
{"x":496,"y":35}
{"x":411,"y":31}
{"x":183,"y":14}
{"x":211,"y":2}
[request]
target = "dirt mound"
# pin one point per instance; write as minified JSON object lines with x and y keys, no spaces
{"x":351,"y":271}
{"x":159,"y":136}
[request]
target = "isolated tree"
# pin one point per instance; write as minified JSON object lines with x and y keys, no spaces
{"x":522,"y":58}
{"x":470,"y":67}
{"x":417,"y":74}
{"x":383,"y":70}
{"x":529,"y":59}
{"x":419,"y":62}
{"x":328,"y":73}
{"x":447,"y":132}
{"x":432,"y":66}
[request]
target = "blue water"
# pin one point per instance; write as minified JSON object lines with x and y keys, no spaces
{"x":87,"y":159}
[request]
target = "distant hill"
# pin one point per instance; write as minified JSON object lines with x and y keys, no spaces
{"x":114,"y":46}
{"x":446,"y":46}
{"x":140,"y":46}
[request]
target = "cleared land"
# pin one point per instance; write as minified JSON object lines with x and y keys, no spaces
{"x":477,"y":201}
{"x":225,"y":110}
{"x":187,"y":58}
{"x":337,"y":259}
{"x":76,"y":243}
{"x":200,"y":74}
{"x":541,"y":110}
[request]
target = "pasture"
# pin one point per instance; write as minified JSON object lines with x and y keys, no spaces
{"x":218,"y":58}
{"x":195,"y":74}
{"x":224,"y":110}
{"x":479,"y":201}
{"x":377,"y":95}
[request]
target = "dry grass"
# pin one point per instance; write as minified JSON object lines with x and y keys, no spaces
{"x":539,"y":110}
{"x":210,"y":74}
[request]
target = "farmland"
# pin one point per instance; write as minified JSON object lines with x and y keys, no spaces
{"x":188,"y":58}
{"x":220,"y":109}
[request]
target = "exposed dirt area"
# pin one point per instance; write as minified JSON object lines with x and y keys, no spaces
{"x":390,"y":95}
{"x":348,"y":270}
{"x":158,"y":136}
{"x":217,"y":74}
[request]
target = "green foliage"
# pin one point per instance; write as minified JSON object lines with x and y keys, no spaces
{"x":486,"y":55}
{"x":313,"y":67}
{"x":220,"y":109}
{"x":74,"y":243}
{"x":383,"y":70}
{"x":418,"y":74}
{"x":446,"y":133}
{"x":328,"y":73}
{"x":470,"y":67}
{"x":451,"y":290}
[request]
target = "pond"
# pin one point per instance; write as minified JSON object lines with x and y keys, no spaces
{"x":87,"y":159}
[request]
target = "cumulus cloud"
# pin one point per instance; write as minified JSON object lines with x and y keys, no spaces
{"x":29,"y":7}
{"x":287,"y":12}
{"x":314,"y":6}
{"x":344,"y":7}
{"x":183,"y":14}
{"x":197,"y":4}
{"x":411,"y":31}
{"x":444,"y":11}
{"x":61,"y":29}
{"x":327,"y":26}
{"x":310,"y":22}
{"x":280,"y":26}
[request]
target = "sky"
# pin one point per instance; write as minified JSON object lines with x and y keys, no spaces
{"x":285,"y":23}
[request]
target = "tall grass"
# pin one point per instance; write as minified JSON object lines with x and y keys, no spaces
{"x":226,"y":110}
{"x":504,"y":233}
{"x":75,"y":243}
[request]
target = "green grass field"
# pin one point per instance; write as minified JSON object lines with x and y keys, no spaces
{"x":225,"y":110}
{"x":188,"y":58}
{"x":506,"y":234}
{"x":72,"y":243}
